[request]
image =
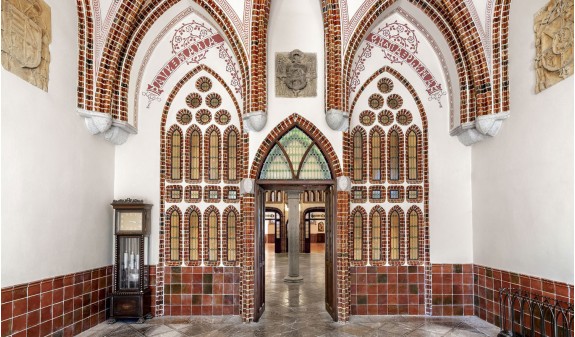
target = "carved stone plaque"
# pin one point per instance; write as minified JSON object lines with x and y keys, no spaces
{"x":296,"y":74}
{"x":554,"y":43}
{"x":26,"y":35}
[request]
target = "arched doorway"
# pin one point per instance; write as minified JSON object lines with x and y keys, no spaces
{"x":294,"y":160}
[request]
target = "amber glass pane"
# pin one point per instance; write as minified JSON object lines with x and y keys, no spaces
{"x":176,"y":155}
{"x":412,"y":155}
{"x":358,"y":156}
{"x":413,"y":235}
{"x":376,"y":236}
{"x":357,"y":236}
{"x":394,"y":155}
{"x":376,"y":156}
{"x":195,"y":155}
{"x":194,"y":236}
{"x":175,"y":236}
{"x":213,"y":237}
{"x":231,"y":236}
{"x":232,"y":155}
{"x":394,"y":236}
{"x":214,"y":161}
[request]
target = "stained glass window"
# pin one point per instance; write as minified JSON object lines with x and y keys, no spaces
{"x":231,"y":223}
{"x":195,"y":155}
{"x":394,"y":155}
{"x":295,"y":156}
{"x":394,"y":233}
{"x":376,"y":156}
{"x":213,"y":236}
{"x":357,"y":236}
{"x":232,"y":155}
{"x":176,"y":155}
{"x":194,"y":223}
{"x":412,"y":155}
{"x":358,"y":156}
{"x":214,"y":156}
{"x":413,"y":235}
{"x":376,"y":236}
{"x":175,"y":236}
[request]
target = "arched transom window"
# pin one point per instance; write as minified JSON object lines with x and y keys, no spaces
{"x":295,"y":156}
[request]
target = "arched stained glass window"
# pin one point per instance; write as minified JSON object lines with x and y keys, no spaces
{"x":376,"y":236}
{"x":393,"y":155}
{"x":214,"y":156}
{"x":194,"y":223}
{"x":175,"y":236}
{"x":412,"y":156}
{"x":176,"y":155}
{"x":394,"y":236}
{"x":232,"y":155}
{"x":376,"y":156}
{"x":213,"y":236}
{"x":195,"y":155}
{"x":413,"y":235}
{"x":357,"y":236}
{"x":231,"y":223}
{"x":295,"y":156}
{"x":357,"y":156}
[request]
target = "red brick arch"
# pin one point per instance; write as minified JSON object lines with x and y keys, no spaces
{"x":310,"y":129}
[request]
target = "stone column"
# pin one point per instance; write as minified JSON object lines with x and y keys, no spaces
{"x":293,"y":237}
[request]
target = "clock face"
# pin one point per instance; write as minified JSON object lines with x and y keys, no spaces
{"x":130,"y":221}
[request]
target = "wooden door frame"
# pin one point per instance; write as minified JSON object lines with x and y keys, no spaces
{"x":300,"y":185}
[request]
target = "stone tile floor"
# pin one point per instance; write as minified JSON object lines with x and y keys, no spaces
{"x":297,"y":310}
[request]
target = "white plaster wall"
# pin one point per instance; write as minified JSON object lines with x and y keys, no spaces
{"x":523,"y":178}
{"x":296,"y":24}
{"x":57,"y":179}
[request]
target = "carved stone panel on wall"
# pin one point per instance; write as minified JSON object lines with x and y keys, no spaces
{"x":26,"y":35}
{"x":296,"y":74}
{"x":554,"y":43}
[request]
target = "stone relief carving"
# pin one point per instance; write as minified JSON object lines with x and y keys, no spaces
{"x":296,"y":74}
{"x":26,"y":35}
{"x":554,"y":43}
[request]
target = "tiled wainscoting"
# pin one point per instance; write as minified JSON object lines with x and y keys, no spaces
{"x":201,"y":291}
{"x":488,"y":281}
{"x":452,"y":289}
{"x":63,"y":305}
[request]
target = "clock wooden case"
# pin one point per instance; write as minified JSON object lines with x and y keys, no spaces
{"x":131,"y":294}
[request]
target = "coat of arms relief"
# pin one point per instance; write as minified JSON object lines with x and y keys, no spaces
{"x":26,"y":35}
{"x":554,"y":43}
{"x":296,"y":74}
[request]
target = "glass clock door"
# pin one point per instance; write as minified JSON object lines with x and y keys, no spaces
{"x":129,"y":263}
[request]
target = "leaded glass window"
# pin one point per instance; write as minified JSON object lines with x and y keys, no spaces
{"x":376,"y":236}
{"x":214,"y":157}
{"x":376,"y":156}
{"x":194,"y":223}
{"x":357,"y":236}
{"x":358,"y":156}
{"x":412,"y":155}
{"x":231,"y":223}
{"x":394,"y":233}
{"x":176,"y":155}
{"x":175,"y":236}
{"x":213,"y":236}
{"x":232,"y":155}
{"x":394,"y":155}
{"x":413,"y":235}
{"x":195,"y":155}
{"x":295,"y":156}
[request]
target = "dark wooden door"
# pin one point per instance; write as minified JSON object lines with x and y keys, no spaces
{"x":330,"y":253}
{"x":260,"y":257}
{"x":307,"y":233}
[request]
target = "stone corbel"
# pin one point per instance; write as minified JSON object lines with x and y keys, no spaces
{"x":343,"y":184}
{"x":482,"y":128}
{"x":337,"y":120}
{"x":247,"y":186}
{"x":116,"y":132}
{"x":255,"y":121}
